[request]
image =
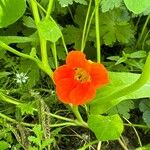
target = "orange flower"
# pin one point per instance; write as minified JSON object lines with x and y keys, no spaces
{"x":77,"y":80}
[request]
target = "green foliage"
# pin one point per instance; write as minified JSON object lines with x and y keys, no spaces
{"x":145,"y":108}
{"x":118,"y":81}
{"x":123,"y":108}
{"x":26,"y":108}
{"x":106,"y":127}
{"x":4,"y":145}
{"x":75,"y":32}
{"x":49,"y":30}
{"x":65,"y":3}
{"x":106,"y":5}
{"x":138,"y":7}
{"x":115,"y":26}
{"x":4,"y":74}
{"x":8,"y":13}
{"x":38,"y":139}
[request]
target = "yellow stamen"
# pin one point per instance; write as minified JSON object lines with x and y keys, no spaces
{"x":82,"y":75}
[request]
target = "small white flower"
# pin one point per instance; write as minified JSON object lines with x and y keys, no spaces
{"x":21,"y":78}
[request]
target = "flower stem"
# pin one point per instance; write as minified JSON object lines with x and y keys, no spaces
{"x":143,"y":31}
{"x":54,"y":52}
{"x":85,"y":26}
{"x":78,"y":116}
{"x":122,"y":144}
{"x":43,"y":42}
{"x":143,"y":79}
{"x":50,"y":5}
{"x":97,"y":25}
{"x":35,"y":59}
{"x":14,"y":121}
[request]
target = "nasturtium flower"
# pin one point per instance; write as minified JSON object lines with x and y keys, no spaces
{"x":76,"y":81}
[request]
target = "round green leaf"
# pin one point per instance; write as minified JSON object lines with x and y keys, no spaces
{"x":138,"y":6}
{"x":106,"y":127}
{"x":49,"y":30}
{"x":11,"y":11}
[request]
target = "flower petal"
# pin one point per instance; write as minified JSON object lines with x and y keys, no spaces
{"x":64,"y":88}
{"x":99,"y":75}
{"x":77,"y":59}
{"x":82,"y":93}
{"x":63,"y":72}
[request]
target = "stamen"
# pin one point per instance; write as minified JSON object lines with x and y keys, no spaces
{"x":82,"y":75}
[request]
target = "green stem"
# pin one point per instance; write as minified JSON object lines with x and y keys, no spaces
{"x":137,"y":125}
{"x":78,"y":116}
{"x":63,"y":124}
{"x":50,"y":5}
{"x":54,"y":52}
{"x":64,"y":44}
{"x":36,"y":60}
{"x":14,"y":121}
{"x":43,"y":42}
{"x":35,"y":11}
{"x":122,"y":144}
{"x":138,"y":137}
{"x":143,"y":79}
{"x":88,"y":145}
{"x":143,"y":43}
{"x":85,"y":27}
{"x":12,"y":50}
{"x":143,"y":31}
{"x":97,"y":25}
{"x":8,"y":99}
{"x":89,"y":25}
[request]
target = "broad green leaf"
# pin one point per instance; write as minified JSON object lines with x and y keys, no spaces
{"x":4,"y":74}
{"x":101,"y":103}
{"x":4,"y":145}
{"x":145,"y":147}
{"x":106,"y":127}
{"x":145,"y":108}
{"x":115,"y":26}
{"x":106,"y":5}
{"x":49,"y":30}
{"x":138,"y":6}
{"x":11,"y":11}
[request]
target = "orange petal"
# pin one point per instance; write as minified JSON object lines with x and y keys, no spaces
{"x":64,"y":88}
{"x":99,"y":75}
{"x":81,"y":94}
{"x":63,"y":72}
{"x":77,"y":59}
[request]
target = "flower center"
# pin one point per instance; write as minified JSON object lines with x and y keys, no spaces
{"x":82,"y":75}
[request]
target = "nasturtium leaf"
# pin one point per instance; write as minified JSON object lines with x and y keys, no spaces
{"x":145,"y":147}
{"x":4,"y":145}
{"x":115,"y":26}
{"x":106,"y":5}
{"x":11,"y":11}
{"x":106,"y":127}
{"x":138,"y":6}
{"x":145,"y":108}
{"x":100,"y":104}
{"x":49,"y":30}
